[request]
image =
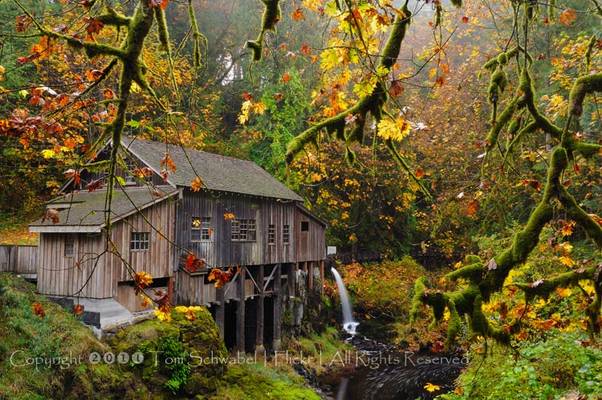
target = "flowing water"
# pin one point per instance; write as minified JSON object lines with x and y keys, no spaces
{"x":383,"y":372}
{"x":349,"y":324}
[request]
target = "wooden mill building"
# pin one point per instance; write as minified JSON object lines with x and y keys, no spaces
{"x":242,"y":218}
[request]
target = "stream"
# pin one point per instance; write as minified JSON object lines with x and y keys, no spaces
{"x":385,"y":372}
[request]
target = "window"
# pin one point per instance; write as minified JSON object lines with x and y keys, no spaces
{"x":304,"y":226}
{"x":243,"y":230}
{"x":69,"y":246}
{"x":200,"y":229}
{"x":286,"y":234}
{"x":271,"y":234}
{"x":139,"y":241}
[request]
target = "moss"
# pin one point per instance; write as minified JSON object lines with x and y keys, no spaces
{"x":473,"y":272}
{"x":583,"y":86}
{"x":271,"y":16}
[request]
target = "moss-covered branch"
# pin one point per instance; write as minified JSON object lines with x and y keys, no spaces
{"x":271,"y":16}
{"x":369,"y":104}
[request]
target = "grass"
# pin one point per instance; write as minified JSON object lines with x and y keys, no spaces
{"x":59,"y":335}
{"x":14,"y":230}
{"x":564,"y":366}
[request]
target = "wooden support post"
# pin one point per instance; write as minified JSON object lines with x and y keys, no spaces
{"x":290,"y":280}
{"x":240,"y":311}
{"x":277,"y":307}
{"x":259,"y":347}
{"x":322,"y":277}
{"x":310,"y":275}
{"x":220,"y":311}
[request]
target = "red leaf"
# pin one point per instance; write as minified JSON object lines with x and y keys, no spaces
{"x":94,"y":185}
{"x":78,"y":309}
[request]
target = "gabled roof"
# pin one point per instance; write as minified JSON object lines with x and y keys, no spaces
{"x":217,"y":172}
{"x":83,"y":211}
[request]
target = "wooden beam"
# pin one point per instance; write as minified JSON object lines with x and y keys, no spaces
{"x":240,"y":311}
{"x":220,"y":311}
{"x":310,"y":275}
{"x":259,"y":348}
{"x":291,"y":280}
{"x":277,"y":306}
{"x":321,"y":276}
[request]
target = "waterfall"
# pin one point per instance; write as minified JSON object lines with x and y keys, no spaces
{"x":349,"y":324}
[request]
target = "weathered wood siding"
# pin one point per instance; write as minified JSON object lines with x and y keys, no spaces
{"x":311,"y":243}
{"x":91,"y":272}
{"x":158,"y":221}
{"x":220,"y":250}
{"x":18,"y":259}
{"x":84,"y":274}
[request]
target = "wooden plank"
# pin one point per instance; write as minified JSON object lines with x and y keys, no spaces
{"x":277,"y":308}
{"x":260,"y":311}
{"x":240,"y":311}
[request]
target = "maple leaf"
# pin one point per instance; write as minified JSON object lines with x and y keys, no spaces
{"x":94,"y":185}
{"x":142,"y":280}
{"x":78,"y":309}
{"x":73,"y":174}
{"x":305,"y":49}
{"x":143,"y":172}
{"x":38,"y":309}
{"x":52,"y":215}
{"x":22,"y":22}
{"x":168,"y":163}
{"x":564,"y":292}
{"x":465,"y":19}
{"x":472,"y":208}
{"x":419,"y":173}
{"x":567,"y":228}
{"x":396,"y":88}
{"x":196,"y":184}
{"x":431,"y":387}
{"x":566,"y":260}
{"x":534,"y":183}
{"x":567,"y":17}
{"x":220,"y":277}
{"x":297,"y":15}
{"x":396,"y":129}
{"x":93,"y":27}
{"x":286,"y":77}
{"x":228,"y":216}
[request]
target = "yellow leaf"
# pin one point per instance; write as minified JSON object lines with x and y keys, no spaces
{"x":396,"y":129}
{"x":566,"y":260}
{"x":430,"y":387}
{"x":245,"y":109}
{"x":563,"y":292}
{"x":48,"y":153}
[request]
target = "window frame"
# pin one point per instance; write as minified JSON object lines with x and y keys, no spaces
{"x":304,"y":226}
{"x":139,"y":241}
{"x":286,"y":234}
{"x":272,"y":234}
{"x":243,"y":230}
{"x":204,"y":229}
{"x":71,"y":241}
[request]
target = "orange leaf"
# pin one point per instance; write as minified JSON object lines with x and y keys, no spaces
{"x":567,"y":17}
{"x":472,"y":208}
{"x":38,"y":309}
{"x":78,"y":309}
{"x":286,"y":77}
{"x":297,"y":15}
{"x":196,"y":184}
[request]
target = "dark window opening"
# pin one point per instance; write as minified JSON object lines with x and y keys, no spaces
{"x":304,"y":226}
{"x":140,"y":241}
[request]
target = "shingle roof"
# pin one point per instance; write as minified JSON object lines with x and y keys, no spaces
{"x":84,"y":211}
{"x":217,"y":172}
